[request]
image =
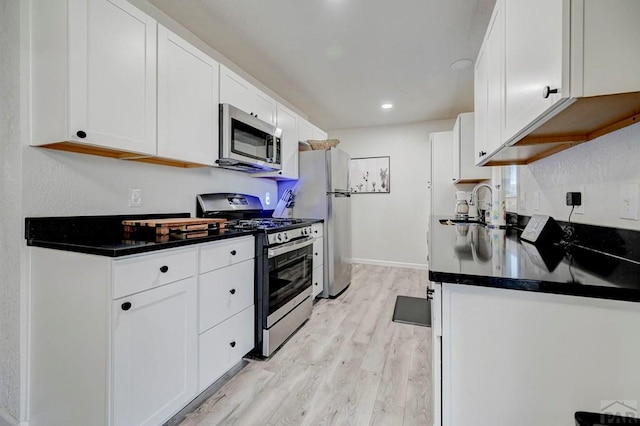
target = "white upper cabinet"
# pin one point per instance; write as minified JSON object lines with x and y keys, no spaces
{"x":305,"y":130}
{"x":565,"y":73}
{"x":533,"y":45}
{"x":93,"y":65}
{"x":238,"y":92}
{"x":464,"y":169}
{"x":287,"y":121}
{"x":187,"y":101}
{"x":489,"y":88}
{"x":265,"y":107}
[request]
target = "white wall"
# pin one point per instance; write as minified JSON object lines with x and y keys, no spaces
{"x":391,"y":229}
{"x":59,"y":183}
{"x":10,"y":212}
{"x":601,"y":166}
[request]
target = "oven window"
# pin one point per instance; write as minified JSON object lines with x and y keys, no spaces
{"x":289,"y":275}
{"x":251,"y":142}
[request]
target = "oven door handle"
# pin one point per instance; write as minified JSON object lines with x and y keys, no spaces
{"x":285,"y":248}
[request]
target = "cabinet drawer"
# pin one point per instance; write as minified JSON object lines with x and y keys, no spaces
{"x":317,"y":229}
{"x":318,"y":252}
{"x":317,"y":280}
{"x":224,"y":253}
{"x":144,"y":272}
{"x":225,"y":292}
{"x":224,"y":345}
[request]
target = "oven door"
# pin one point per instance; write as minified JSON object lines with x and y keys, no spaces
{"x":289,"y":280}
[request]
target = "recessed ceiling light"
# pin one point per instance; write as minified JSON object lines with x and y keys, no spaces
{"x":386,"y":106}
{"x":461,"y":64}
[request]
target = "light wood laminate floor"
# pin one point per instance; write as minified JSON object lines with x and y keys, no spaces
{"x":348,"y":365}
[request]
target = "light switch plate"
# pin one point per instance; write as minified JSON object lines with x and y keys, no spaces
{"x":629,"y":201}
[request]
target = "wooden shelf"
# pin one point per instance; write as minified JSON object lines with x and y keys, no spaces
{"x":119,"y":154}
{"x":584,"y":120}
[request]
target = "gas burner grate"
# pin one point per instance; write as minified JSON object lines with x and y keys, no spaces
{"x":262,"y":223}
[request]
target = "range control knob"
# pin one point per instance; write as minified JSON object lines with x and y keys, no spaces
{"x":286,"y":236}
{"x":279,"y":238}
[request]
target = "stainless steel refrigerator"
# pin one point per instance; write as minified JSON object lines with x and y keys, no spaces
{"x":323,"y":193}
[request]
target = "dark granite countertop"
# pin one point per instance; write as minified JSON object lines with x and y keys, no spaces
{"x":104,"y":235}
{"x":477,"y":255}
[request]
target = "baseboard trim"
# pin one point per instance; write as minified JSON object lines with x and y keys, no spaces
{"x":7,"y":420}
{"x":422,"y":266}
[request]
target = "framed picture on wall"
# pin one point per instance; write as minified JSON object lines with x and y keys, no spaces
{"x":369,"y":175}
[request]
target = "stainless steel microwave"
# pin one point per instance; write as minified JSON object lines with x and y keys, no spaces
{"x":248,"y":143}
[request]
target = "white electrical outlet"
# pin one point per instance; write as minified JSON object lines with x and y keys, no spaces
{"x":583,"y":199}
{"x":629,"y":201}
{"x":536,"y":200}
{"x":523,"y":202}
{"x":135,"y":197}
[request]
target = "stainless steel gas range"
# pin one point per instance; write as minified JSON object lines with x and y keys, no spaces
{"x":284,"y":255}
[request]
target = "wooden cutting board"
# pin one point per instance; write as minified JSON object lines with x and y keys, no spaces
{"x":164,"y":226}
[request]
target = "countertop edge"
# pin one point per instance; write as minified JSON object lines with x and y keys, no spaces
{"x":538,"y":286}
{"x":120,"y":252}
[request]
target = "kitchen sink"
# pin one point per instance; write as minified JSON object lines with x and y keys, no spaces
{"x":461,"y":222}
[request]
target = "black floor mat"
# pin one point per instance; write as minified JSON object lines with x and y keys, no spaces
{"x":412,"y":310}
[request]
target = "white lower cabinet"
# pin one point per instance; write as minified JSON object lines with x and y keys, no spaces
{"x":225,"y":292}
{"x":317,"y":275}
{"x":436,"y":346}
{"x":226,"y":307}
{"x":132,"y":340}
{"x":224,"y":345}
{"x":514,"y":357}
{"x":154,"y":353}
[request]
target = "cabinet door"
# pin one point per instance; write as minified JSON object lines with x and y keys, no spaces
{"x":489,"y":89}
{"x":533,"y":60}
{"x":288,"y":122}
{"x":518,"y":357}
{"x":226,"y":252}
{"x":154,"y":353}
{"x":481,"y":105}
{"x":455,"y":166}
{"x":112,"y":75}
{"x":442,"y":189}
{"x":436,"y":346}
{"x":224,"y":346}
{"x":265,"y":108}
{"x":495,"y":81}
{"x":305,"y":130}
{"x":224,"y":292}
{"x":463,"y":144}
{"x":235,"y":90}
{"x":187,"y":101}
{"x":318,"y":252}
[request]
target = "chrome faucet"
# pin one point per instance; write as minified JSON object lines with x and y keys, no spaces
{"x":473,"y":201}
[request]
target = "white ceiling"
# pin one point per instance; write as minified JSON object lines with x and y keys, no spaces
{"x":339,"y":60}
